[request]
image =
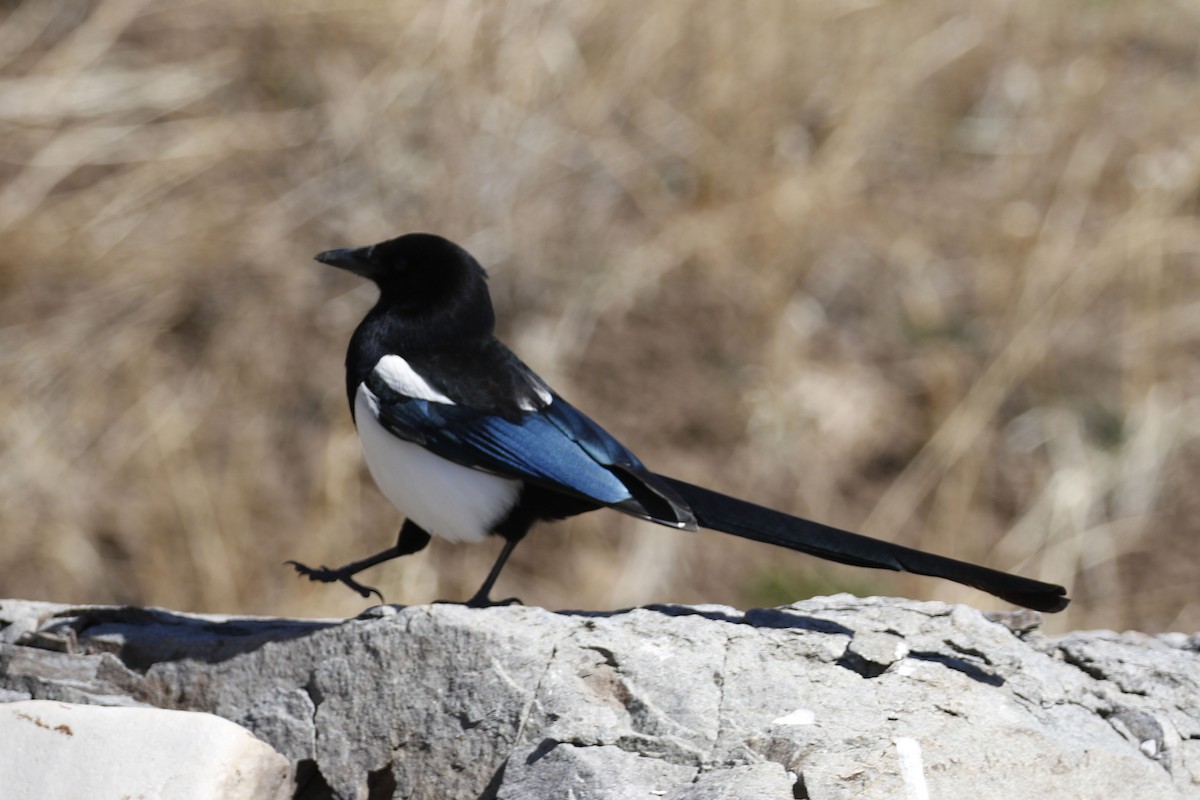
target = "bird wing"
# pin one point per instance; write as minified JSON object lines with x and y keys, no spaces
{"x":555,"y":446}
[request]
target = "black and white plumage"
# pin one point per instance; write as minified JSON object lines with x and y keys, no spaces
{"x":466,"y":441}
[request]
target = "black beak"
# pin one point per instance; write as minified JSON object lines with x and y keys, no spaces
{"x":351,"y":259}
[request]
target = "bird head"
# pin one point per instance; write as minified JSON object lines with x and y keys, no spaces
{"x":422,"y":275}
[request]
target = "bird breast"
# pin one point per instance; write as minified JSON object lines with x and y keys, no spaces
{"x":446,"y":499}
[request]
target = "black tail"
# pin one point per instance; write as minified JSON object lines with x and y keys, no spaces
{"x":728,"y":514}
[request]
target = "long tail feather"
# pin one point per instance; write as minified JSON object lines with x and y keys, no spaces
{"x":721,"y":512}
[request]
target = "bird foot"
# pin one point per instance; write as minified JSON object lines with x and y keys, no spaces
{"x":324,"y":574}
{"x":482,"y":602}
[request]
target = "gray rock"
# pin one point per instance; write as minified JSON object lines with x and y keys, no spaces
{"x":746,"y":782}
{"x":835,"y":697}
{"x":600,"y":771}
{"x":870,"y":653}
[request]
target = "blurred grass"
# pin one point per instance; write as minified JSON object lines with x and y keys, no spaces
{"x":929,"y":271}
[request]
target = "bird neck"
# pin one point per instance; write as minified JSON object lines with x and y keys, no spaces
{"x":388,"y":330}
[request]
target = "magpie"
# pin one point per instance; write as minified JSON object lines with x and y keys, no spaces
{"x":465,"y":440}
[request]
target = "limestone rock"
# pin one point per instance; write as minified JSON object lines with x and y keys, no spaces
{"x":835,"y":697}
{"x":65,"y":750}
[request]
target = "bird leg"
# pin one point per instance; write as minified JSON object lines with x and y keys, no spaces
{"x":481,"y":598}
{"x":411,"y":539}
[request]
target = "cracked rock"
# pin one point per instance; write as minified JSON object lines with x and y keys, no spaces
{"x":810,"y":700}
{"x":569,"y":770}
{"x":869,"y":654}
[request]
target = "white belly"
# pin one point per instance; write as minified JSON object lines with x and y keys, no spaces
{"x":444,"y":498}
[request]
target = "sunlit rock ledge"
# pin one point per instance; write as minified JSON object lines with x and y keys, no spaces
{"x":835,"y":697}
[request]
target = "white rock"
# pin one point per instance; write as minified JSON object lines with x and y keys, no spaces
{"x":64,"y":751}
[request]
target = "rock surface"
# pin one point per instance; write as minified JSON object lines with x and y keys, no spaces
{"x":66,"y":750}
{"x":829,"y":698}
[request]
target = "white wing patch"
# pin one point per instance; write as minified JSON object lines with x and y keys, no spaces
{"x":446,"y":499}
{"x":527,"y":404}
{"x":404,"y":380}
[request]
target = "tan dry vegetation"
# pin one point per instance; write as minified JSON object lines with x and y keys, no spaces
{"x":926,"y":270}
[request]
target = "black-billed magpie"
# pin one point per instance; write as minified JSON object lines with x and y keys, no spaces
{"x":466,"y":441}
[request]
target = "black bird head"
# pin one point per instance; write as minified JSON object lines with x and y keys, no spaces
{"x":424,"y":279}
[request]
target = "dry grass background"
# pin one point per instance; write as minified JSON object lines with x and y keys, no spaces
{"x":926,"y":270}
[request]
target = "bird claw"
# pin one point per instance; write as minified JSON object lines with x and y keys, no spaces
{"x":324,"y":574}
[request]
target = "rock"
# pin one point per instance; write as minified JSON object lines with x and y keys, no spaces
{"x":65,"y":750}
{"x":870,"y":653}
{"x":564,"y":769}
{"x":829,"y":698}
